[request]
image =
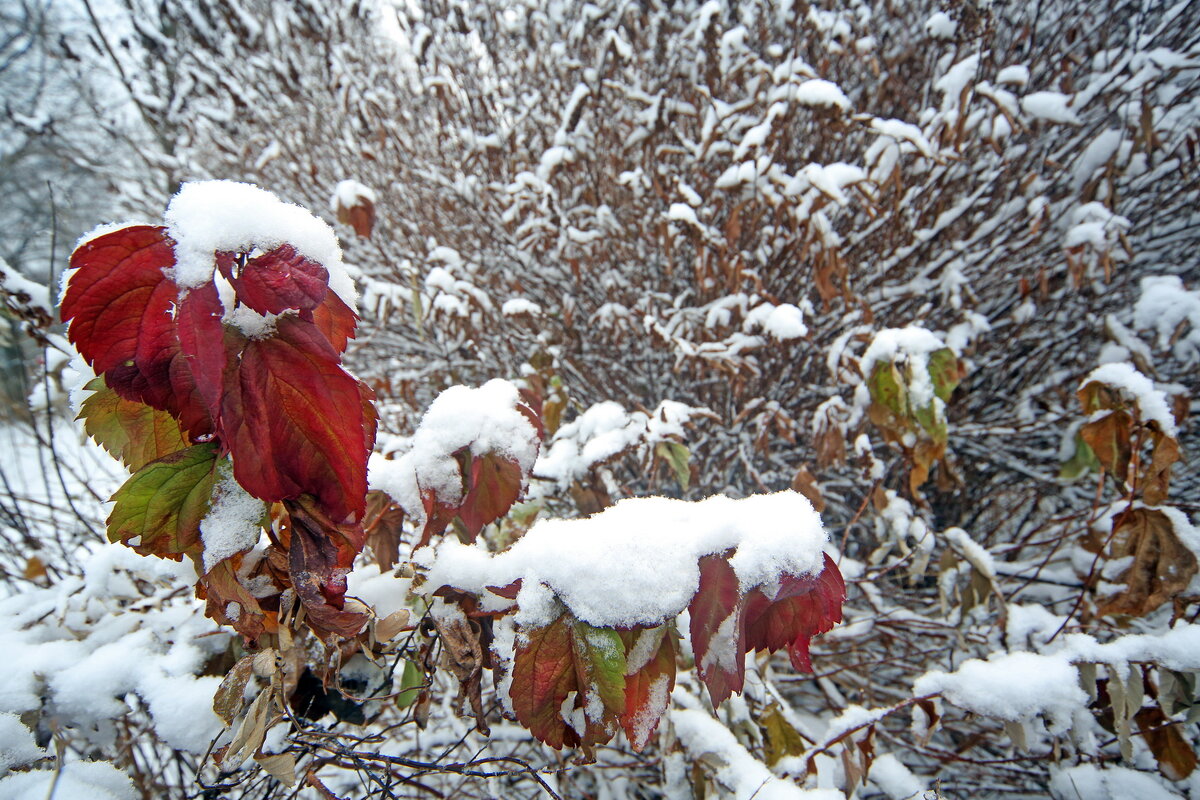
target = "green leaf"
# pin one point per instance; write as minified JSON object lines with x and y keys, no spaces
{"x":1082,"y":461}
{"x":163,"y":503}
{"x":888,"y":390}
{"x":945,"y":371}
{"x":677,"y":456}
{"x":781,"y":739}
{"x":412,"y":680}
{"x":131,"y":431}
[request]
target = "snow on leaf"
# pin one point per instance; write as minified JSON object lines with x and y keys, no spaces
{"x":280,"y":280}
{"x":648,"y":686}
{"x":567,"y":667}
{"x":296,"y":422}
{"x":716,"y":630}
{"x":163,"y":503}
{"x":131,"y":431}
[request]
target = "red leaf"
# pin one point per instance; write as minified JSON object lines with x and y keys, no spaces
{"x":648,"y":690}
{"x":493,"y":485}
{"x":121,"y":307}
{"x":202,"y":340}
{"x":336,"y":321}
{"x":566,"y":656}
{"x":718,"y":637}
{"x":295,"y":423}
{"x":107,"y":300}
{"x":543,"y":676}
{"x":802,"y":608}
{"x":280,"y":280}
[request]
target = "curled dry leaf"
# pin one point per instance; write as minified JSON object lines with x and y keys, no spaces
{"x":1162,"y":565}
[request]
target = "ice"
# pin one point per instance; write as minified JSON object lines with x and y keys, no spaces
{"x":636,"y":563}
{"x":210,"y":216}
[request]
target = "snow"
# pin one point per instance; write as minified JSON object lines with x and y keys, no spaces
{"x":904,"y":132}
{"x":210,"y":216}
{"x":1014,"y":686}
{"x":17,"y":745}
{"x":1151,"y":402}
{"x":912,"y":344}
{"x":1051,"y":107}
{"x":817,"y":92}
{"x":349,"y":193}
{"x":77,"y":780}
{"x":1110,"y":783}
{"x":384,"y":593}
{"x":1014,"y":75}
{"x":783,"y":322}
{"x":519,"y":305}
{"x":1165,"y":307}
{"x":485,"y":420}
{"x":682,"y":212}
{"x":741,"y":774}
{"x":16,"y":283}
{"x":940,"y":26}
{"x":234,"y":521}
{"x":636,"y":563}
{"x":894,"y":779}
{"x":956,"y":79}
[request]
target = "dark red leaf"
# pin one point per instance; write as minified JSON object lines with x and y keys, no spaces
{"x":202,"y":340}
{"x":280,"y":280}
{"x":493,"y":485}
{"x":718,"y":638}
{"x":803,"y":607}
{"x":295,"y":423}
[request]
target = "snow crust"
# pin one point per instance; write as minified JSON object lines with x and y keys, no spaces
{"x":209,"y":216}
{"x":485,"y":420}
{"x":1150,"y":401}
{"x":636,"y":563}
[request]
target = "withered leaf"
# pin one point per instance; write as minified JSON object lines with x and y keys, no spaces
{"x":1162,"y":565}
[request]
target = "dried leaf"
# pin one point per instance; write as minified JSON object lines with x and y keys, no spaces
{"x":281,"y":766}
{"x":1162,"y":566}
{"x":227,"y":702}
{"x":805,"y":483}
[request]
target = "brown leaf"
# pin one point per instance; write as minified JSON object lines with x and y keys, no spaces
{"x":1110,"y":439}
{"x":1157,"y":478}
{"x":1162,"y":566}
{"x":1175,"y":757}
{"x":228,"y":700}
{"x":805,"y":483}
{"x":463,"y":653}
{"x":383,"y":524}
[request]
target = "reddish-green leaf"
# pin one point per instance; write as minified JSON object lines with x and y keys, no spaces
{"x":280,"y":280}
{"x":718,"y":639}
{"x":569,"y":656}
{"x":162,"y":505}
{"x":648,"y":686}
{"x":493,"y":485}
{"x":131,"y":431}
{"x":295,"y":421}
